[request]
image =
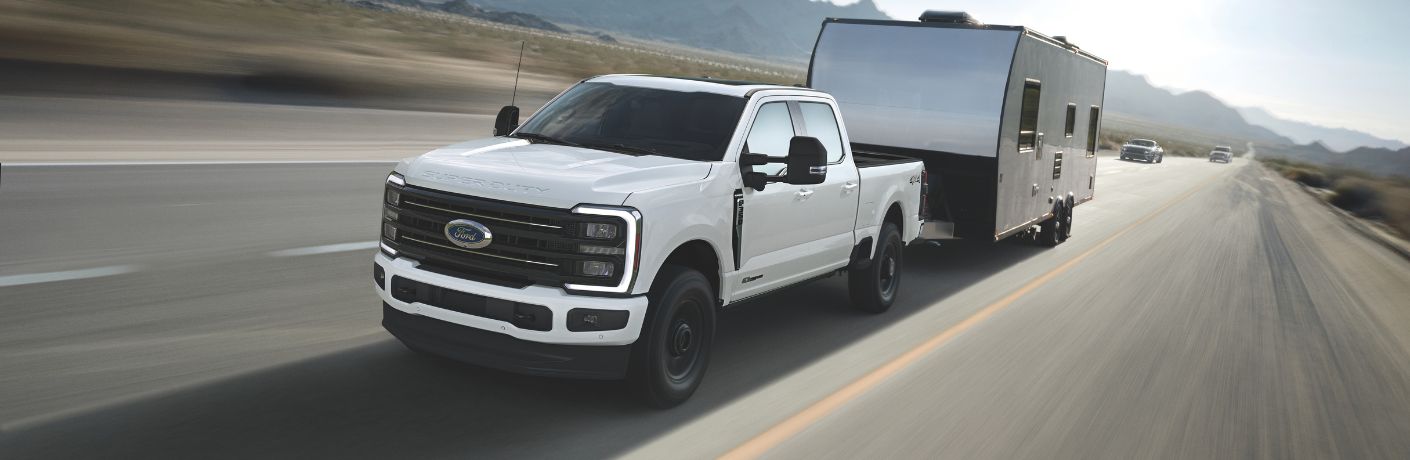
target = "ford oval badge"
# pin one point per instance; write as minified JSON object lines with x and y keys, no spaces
{"x":468,"y":234}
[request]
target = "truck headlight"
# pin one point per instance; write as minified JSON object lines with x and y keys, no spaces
{"x":626,"y":262}
{"x":600,"y":231}
{"x":393,"y":196}
{"x":595,"y":268}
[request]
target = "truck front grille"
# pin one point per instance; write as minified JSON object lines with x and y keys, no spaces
{"x":529,"y":244}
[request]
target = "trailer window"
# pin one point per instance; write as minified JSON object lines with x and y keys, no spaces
{"x":770,"y":135}
{"x":822,"y":124}
{"x":1028,"y":117}
{"x":1092,"y":120}
{"x":1071,"y":125}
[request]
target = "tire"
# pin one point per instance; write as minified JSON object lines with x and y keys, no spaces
{"x":1160,"y":159}
{"x":1066,"y":221}
{"x":670,"y":358}
{"x":1050,"y":231}
{"x":873,"y":289}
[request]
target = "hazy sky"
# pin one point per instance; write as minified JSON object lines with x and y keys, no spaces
{"x":1333,"y":63}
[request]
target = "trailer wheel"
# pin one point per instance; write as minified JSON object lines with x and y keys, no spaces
{"x":873,"y":289}
{"x":1067,"y":219}
{"x":1050,"y":231}
{"x":670,"y":357}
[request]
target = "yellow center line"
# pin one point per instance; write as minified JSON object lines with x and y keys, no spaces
{"x":800,"y":421}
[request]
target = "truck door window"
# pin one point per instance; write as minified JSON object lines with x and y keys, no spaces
{"x":820,"y":122}
{"x":770,"y":135}
{"x":1028,"y":116}
{"x":1092,"y":119}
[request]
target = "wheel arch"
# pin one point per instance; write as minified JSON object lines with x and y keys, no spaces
{"x":701,"y":256}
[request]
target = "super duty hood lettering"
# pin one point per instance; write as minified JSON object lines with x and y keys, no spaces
{"x":482,"y":183}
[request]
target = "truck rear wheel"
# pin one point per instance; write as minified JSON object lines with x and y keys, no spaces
{"x":670,"y":356}
{"x":873,"y":289}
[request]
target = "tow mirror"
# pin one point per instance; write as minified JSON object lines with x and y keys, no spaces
{"x":807,"y":161}
{"x":506,"y":121}
{"x":747,"y":162}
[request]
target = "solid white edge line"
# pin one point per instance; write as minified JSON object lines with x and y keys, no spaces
{"x":68,"y":275}
{"x":192,"y":163}
{"x":326,"y":249}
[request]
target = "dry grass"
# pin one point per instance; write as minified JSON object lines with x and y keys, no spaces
{"x":361,"y":53}
{"x":1378,"y":198}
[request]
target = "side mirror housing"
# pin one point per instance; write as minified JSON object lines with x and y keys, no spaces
{"x":507,"y":120}
{"x":807,"y":161}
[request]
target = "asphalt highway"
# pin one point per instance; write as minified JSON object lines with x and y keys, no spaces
{"x":1200,"y":310}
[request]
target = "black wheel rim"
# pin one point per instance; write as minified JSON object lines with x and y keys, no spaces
{"x":886,"y":273}
{"x":683,"y":340}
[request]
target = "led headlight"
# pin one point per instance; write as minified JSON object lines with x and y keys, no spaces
{"x":601,"y":250}
{"x":389,"y":231}
{"x":595,"y":268}
{"x":624,"y":269}
{"x":600,"y":231}
{"x":396,"y":179}
{"x":390,"y":214}
{"x":393,"y":196}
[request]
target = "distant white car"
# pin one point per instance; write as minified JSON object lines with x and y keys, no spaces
{"x":1143,"y":149}
{"x":1222,"y":154}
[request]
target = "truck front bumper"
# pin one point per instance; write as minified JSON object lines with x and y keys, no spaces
{"x":480,"y":323}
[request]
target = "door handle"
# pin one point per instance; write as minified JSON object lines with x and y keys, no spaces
{"x":805,"y":193}
{"x":849,"y":186}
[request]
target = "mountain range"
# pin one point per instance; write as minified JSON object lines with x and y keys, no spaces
{"x":1339,"y":139}
{"x":778,"y":29}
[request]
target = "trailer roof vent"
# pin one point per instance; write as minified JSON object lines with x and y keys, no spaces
{"x":1061,"y":38}
{"x":949,"y":17}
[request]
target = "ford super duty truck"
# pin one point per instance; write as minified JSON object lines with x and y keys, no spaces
{"x":600,"y":238}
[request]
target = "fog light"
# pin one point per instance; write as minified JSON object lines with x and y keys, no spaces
{"x":393,"y":197}
{"x":601,"y":250}
{"x":389,"y":231}
{"x":600,"y":231}
{"x":595,"y":268}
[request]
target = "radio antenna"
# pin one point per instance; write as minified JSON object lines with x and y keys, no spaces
{"x":515,"y":95}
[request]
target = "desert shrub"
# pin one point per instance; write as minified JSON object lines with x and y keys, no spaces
{"x":1358,"y":197}
{"x":1308,"y":177}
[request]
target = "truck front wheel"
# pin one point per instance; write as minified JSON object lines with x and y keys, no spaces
{"x":873,"y":288}
{"x":670,"y":356}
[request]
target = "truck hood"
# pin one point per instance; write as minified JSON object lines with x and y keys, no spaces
{"x":550,"y":175}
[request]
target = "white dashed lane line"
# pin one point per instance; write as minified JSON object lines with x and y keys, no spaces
{"x":69,"y":275}
{"x":325,"y":249}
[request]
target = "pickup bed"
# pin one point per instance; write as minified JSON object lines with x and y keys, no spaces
{"x":600,"y":238}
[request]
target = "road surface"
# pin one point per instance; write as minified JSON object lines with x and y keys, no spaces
{"x":1201,"y":310}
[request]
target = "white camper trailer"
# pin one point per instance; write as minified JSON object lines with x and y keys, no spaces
{"x":1006,"y":119}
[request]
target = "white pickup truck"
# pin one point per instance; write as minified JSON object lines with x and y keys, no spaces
{"x":600,"y":238}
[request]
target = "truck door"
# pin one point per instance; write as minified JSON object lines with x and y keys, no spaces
{"x":793,"y":232}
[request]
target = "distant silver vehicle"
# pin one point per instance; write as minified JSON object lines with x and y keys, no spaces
{"x":1222,"y":154}
{"x":1143,"y":149}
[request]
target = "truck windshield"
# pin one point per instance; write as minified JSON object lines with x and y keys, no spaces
{"x":639,"y":121}
{"x":1142,"y":143}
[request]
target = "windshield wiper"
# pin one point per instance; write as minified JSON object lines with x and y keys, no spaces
{"x":624,"y":148}
{"x":548,"y":139}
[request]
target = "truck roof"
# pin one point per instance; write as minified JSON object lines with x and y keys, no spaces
{"x":687,"y":84}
